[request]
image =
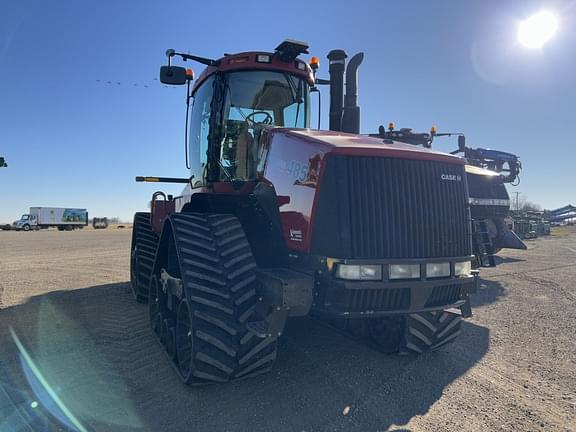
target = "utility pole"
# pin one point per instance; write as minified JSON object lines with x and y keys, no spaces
{"x":517,"y":206}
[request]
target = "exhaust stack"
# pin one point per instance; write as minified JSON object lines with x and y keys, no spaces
{"x":351,"y":115}
{"x":337,"y":65}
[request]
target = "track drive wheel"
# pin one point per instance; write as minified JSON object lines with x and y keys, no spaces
{"x":386,"y":333}
{"x":143,"y":252}
{"x":218,"y":275}
{"x":415,"y":333}
{"x":428,"y":331}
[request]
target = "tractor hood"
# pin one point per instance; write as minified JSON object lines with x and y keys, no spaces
{"x":344,"y":184}
{"x":360,"y":145}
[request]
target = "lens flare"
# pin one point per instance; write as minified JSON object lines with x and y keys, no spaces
{"x":538,"y":29}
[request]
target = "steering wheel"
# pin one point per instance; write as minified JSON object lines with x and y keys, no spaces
{"x":268,"y":119}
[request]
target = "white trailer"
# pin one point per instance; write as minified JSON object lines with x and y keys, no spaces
{"x":63,"y":218}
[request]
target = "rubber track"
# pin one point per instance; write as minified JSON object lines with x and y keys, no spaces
{"x":146,"y":241}
{"x":217,"y":269}
{"x":430,"y":330}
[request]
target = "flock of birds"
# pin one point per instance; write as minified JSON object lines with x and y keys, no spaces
{"x":119,"y":83}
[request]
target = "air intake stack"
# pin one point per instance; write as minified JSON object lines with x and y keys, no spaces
{"x":337,"y":65}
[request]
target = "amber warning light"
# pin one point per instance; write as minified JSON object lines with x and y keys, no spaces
{"x":314,"y":63}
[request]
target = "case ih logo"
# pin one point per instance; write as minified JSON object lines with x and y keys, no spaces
{"x":451,"y":177}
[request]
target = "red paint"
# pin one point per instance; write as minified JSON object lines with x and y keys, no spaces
{"x":247,"y":61}
{"x":160,"y":209}
{"x":295,"y":166}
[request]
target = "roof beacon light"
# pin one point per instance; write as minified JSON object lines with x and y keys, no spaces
{"x":433,"y":130}
{"x":391,"y":126}
{"x":189,"y":74}
{"x":314,"y":63}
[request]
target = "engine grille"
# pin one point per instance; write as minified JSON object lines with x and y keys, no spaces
{"x":371,"y":207}
{"x":444,"y":295}
{"x":362,"y":300}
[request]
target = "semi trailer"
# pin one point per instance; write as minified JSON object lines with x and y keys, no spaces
{"x":65,"y":219}
{"x":277,"y":220}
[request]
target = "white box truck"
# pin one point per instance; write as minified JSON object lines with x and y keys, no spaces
{"x":65,"y":219}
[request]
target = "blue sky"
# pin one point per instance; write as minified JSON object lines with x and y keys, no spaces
{"x":72,"y":139}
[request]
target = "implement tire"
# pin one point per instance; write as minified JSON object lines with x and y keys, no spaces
{"x":143,"y":252}
{"x":218,"y":275}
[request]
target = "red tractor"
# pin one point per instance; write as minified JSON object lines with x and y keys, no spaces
{"x":279,"y":220}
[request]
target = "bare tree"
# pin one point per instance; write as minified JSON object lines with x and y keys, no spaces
{"x":525,"y":205}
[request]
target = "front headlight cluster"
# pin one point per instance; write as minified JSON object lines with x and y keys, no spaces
{"x":373,"y":272}
{"x":359,"y":272}
{"x":436,"y":270}
{"x":405,"y":271}
{"x":462,"y":268}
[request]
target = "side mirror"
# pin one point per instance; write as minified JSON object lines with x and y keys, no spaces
{"x":461,"y":143}
{"x":173,"y":75}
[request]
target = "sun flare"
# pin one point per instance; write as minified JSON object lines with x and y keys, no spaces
{"x":538,"y":29}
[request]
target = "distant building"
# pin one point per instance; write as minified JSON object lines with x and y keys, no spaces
{"x":563,"y":214}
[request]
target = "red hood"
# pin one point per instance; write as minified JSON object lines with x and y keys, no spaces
{"x":360,"y":145}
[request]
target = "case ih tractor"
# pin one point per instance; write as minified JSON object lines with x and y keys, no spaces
{"x":278,"y":220}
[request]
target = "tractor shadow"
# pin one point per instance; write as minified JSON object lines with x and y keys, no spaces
{"x":87,"y":356}
{"x":489,"y":291}
{"x":506,"y":260}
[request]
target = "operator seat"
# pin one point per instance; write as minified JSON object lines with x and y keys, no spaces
{"x":244,"y":155}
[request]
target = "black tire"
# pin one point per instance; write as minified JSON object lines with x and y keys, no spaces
{"x":430,"y":330}
{"x":387,"y":334}
{"x":26,"y":227}
{"x":143,"y":253}
{"x":412,"y":334}
{"x":154,"y":306}
{"x":218,"y":274}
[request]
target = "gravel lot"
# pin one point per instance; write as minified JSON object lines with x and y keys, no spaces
{"x":73,"y":341}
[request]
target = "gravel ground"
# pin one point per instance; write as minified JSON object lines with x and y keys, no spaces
{"x":74,"y":346}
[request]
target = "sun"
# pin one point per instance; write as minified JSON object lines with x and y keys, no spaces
{"x":538,"y":29}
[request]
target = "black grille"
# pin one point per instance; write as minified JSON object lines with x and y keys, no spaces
{"x":362,"y":300}
{"x":372,"y":207}
{"x":444,"y":295}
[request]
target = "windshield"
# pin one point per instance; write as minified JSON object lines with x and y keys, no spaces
{"x":25,"y":217}
{"x":254,"y":100}
{"x":272,"y":98}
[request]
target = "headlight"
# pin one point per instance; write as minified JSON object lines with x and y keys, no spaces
{"x":462,"y":268}
{"x":405,"y":271}
{"x":359,"y":272}
{"x":434,"y":270}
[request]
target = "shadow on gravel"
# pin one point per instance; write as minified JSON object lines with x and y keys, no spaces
{"x":504,"y":260}
{"x":88,"y":358}
{"x":488,"y":292}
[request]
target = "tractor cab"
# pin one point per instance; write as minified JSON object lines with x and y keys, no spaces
{"x":234,"y":100}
